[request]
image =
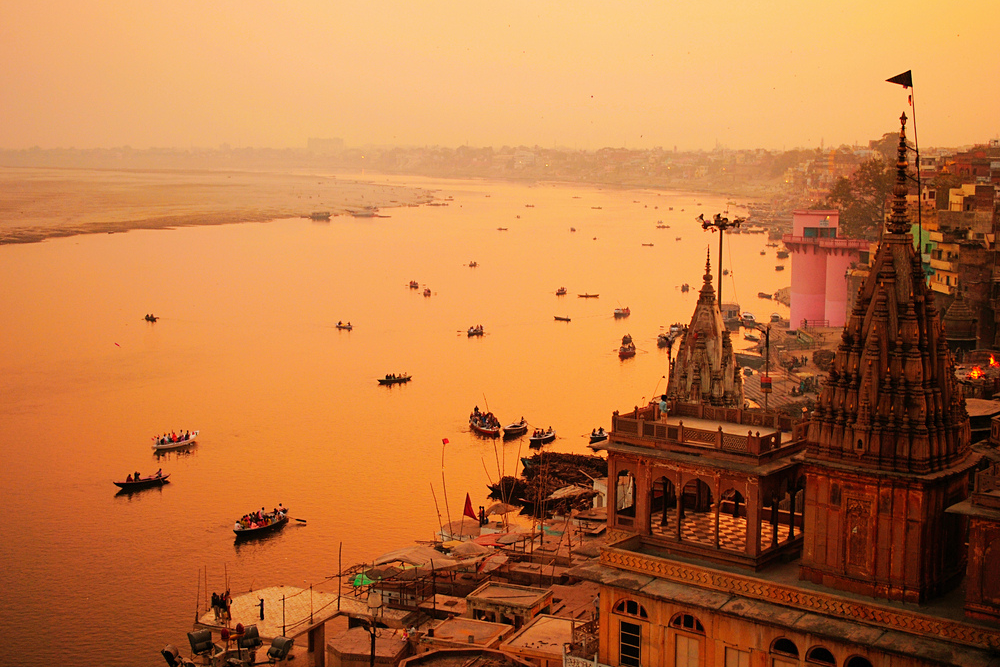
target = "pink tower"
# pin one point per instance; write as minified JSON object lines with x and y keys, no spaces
{"x":819,"y":265}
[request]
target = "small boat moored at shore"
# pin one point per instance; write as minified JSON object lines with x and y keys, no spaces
{"x":173,"y":441}
{"x":392,"y":378}
{"x":136,"y":483}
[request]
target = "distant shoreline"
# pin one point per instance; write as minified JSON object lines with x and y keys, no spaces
{"x":46,"y":202}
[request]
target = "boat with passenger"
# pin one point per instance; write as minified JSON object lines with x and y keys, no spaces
{"x":392,"y":378}
{"x":515,"y":430}
{"x":345,"y":327}
{"x":174,"y":441}
{"x":622,"y":312}
{"x":598,"y":435}
{"x":476,"y":330}
{"x":135,"y":482}
{"x":627,"y":348}
{"x":414,"y":284}
{"x":561,"y":291}
{"x":484,"y":423}
{"x":541,"y":437}
{"x":259,"y":523}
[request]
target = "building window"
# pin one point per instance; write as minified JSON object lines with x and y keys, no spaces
{"x":687,"y":622}
{"x":630,"y":640}
{"x":631,"y":608}
{"x":737,"y":658}
{"x":820,"y":656}
{"x":784,"y":646}
{"x":857,"y":661}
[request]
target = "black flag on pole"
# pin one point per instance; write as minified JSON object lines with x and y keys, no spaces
{"x":905,"y":79}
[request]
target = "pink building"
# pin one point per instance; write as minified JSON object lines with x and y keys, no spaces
{"x":819,"y":265}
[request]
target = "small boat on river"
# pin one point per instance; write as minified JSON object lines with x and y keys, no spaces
{"x":622,"y":312}
{"x":588,"y":296}
{"x":484,"y":423}
{"x":395,"y":379}
{"x":561,"y":291}
{"x":560,"y":318}
{"x":345,"y":327}
{"x":515,"y":430}
{"x":541,"y":437}
{"x":427,"y":291}
{"x":414,"y":284}
{"x":476,"y":330}
{"x":135,"y":484}
{"x":627,"y":348}
{"x":598,"y":435}
{"x":165,"y":442}
{"x":257,"y":524}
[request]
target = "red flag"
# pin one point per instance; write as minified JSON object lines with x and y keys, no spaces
{"x":444,"y":441}
{"x":469,"y":512}
{"x":905,"y":79}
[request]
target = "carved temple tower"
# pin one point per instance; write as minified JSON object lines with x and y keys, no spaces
{"x":705,"y":369}
{"x":888,"y":448}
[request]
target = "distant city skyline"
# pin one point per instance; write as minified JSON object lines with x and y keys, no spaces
{"x":582,"y":75}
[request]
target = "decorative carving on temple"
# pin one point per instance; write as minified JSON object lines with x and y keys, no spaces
{"x":705,"y":369}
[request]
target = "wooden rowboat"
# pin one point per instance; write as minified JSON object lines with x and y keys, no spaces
{"x":161,"y":445}
{"x":275,"y":521}
{"x":143,"y":482}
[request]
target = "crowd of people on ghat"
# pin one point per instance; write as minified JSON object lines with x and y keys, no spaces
{"x":221,"y":604}
{"x":172,"y":437}
{"x":260,"y":518}
{"x":483,"y":419}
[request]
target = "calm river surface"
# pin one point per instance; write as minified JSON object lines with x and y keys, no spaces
{"x":289,"y":409}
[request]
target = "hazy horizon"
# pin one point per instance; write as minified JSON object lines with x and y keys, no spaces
{"x":586,"y":75}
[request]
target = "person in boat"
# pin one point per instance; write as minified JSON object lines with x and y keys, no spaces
{"x":340,"y":322}
{"x":129,"y":478}
{"x":159,"y":473}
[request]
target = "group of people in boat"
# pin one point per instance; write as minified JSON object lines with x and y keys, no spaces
{"x":340,"y":323}
{"x":135,"y":477}
{"x":483,"y":419}
{"x":173,"y":437}
{"x":393,"y":376}
{"x":151,"y":318}
{"x":260,"y":518}
{"x":598,"y":433}
{"x":539,"y":433}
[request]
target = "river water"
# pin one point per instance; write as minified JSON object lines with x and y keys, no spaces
{"x":289,"y":409}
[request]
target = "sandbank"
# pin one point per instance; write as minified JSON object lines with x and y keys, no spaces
{"x":41,"y":203}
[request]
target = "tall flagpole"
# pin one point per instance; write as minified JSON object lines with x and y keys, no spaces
{"x":906,"y":81}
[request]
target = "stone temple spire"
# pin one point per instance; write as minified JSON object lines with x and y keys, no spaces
{"x":891,"y":401}
{"x":888,"y":446}
{"x":705,"y":370}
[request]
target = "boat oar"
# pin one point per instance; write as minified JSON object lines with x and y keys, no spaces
{"x":299,"y":520}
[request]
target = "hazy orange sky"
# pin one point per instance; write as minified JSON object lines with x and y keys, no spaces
{"x":581,"y":74}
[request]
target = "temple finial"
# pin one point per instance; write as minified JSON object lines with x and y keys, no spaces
{"x":899,"y":221}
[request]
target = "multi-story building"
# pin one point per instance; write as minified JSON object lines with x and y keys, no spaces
{"x":820,"y":261}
